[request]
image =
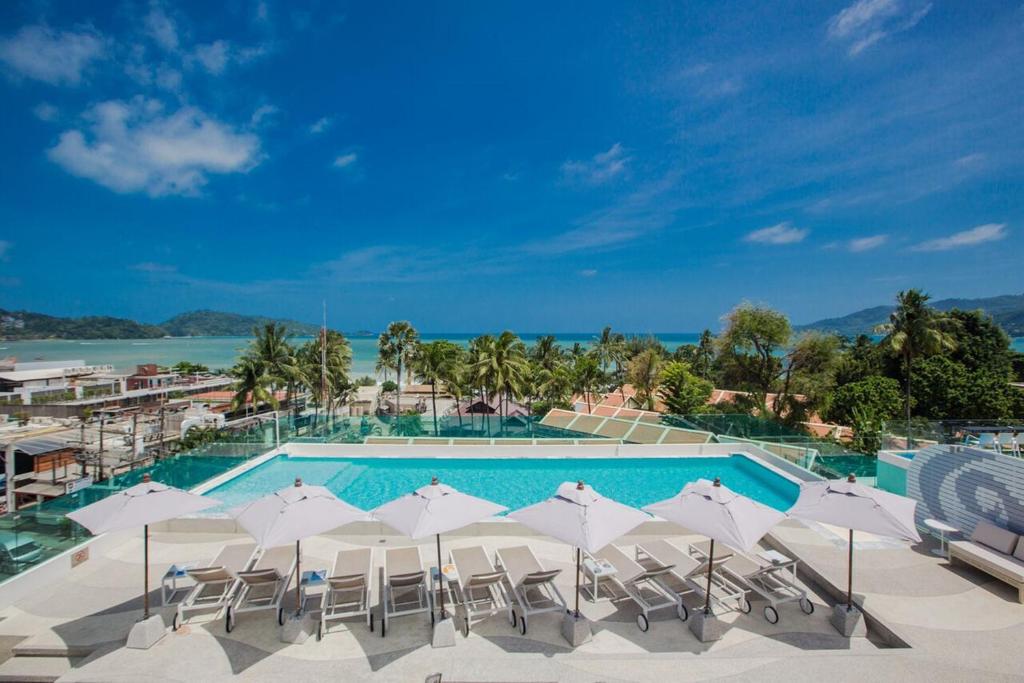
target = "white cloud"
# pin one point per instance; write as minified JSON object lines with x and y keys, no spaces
{"x":161,"y":28}
{"x":345,"y":160}
{"x":44,"y":111}
{"x":599,"y":169}
{"x":781,"y":233}
{"x":213,"y":56}
{"x":588,"y":272}
{"x":989,"y":232}
{"x":321,"y":125}
{"x":262,"y":114}
{"x":866,"y":22}
{"x":867,"y":243}
{"x":55,"y":57}
{"x":5,"y":249}
{"x":135,"y":146}
{"x":153,"y":267}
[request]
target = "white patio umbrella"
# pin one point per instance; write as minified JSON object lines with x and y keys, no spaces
{"x":292,"y":514}
{"x":855,"y":506}
{"x":146,"y":503}
{"x":710,"y":509}
{"x":433,"y":510}
{"x":583,"y":518}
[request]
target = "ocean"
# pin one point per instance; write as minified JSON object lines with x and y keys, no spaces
{"x":221,"y":352}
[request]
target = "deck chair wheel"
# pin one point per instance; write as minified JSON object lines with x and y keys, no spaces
{"x":522,"y":626}
{"x":176,"y":621}
{"x":465,"y":628}
{"x":513,"y":618}
{"x":642,"y":622}
{"x":371,"y":622}
{"x":807,"y":606}
{"x":229,"y":620}
{"x":280,"y":616}
{"x":320,"y":631}
{"x":432,"y":620}
{"x":682,"y":612}
{"x":745,"y":606}
{"x":383,"y":628}
{"x":771,"y":614}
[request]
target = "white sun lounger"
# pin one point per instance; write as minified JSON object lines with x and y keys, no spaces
{"x":726,"y":587}
{"x":775,"y":581}
{"x":217,"y":582}
{"x":642,"y":585}
{"x":481,"y":590}
{"x":263,"y":586}
{"x":348,"y":588}
{"x":532,"y":586}
{"x":406,"y":589}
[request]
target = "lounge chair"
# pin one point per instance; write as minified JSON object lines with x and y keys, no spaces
{"x":532,"y":586}
{"x":406,"y":587}
{"x":481,"y":590}
{"x":348,"y":588}
{"x":643,"y":585}
{"x":217,"y":582}
{"x":725,"y":587}
{"x":1008,"y":443}
{"x":996,"y":551}
{"x":775,"y":581}
{"x":988,"y":440}
{"x":263,"y":586}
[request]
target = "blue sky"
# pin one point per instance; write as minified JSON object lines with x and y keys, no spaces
{"x":473,"y":166}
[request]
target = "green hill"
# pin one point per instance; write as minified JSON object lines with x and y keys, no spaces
{"x":1007,"y":310}
{"x":28,"y":325}
{"x":218,"y":324}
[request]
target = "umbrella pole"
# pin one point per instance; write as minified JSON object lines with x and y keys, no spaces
{"x":298,"y":581}
{"x":145,"y":572}
{"x":711,"y":563}
{"x":578,"y":583}
{"x":440,"y":577}
{"x":849,"y":584}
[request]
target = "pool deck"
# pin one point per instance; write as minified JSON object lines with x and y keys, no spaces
{"x":960,"y":624}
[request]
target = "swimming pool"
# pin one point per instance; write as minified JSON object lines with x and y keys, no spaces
{"x":513,"y":482}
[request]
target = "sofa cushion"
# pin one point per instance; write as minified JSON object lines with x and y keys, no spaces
{"x":995,"y":537}
{"x":991,"y":561}
{"x":1019,"y":552}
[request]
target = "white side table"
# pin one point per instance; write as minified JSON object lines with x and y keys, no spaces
{"x":593,"y":571}
{"x":942,"y":528}
{"x":169,"y":586}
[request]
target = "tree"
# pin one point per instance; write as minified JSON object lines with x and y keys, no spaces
{"x":682,"y":391}
{"x":432,"y":364}
{"x":916,"y":330}
{"x":546,"y":352}
{"x":980,"y":345}
{"x":398,"y":344}
{"x":272,"y":346}
{"x":643,"y":372}
{"x":859,"y":360}
{"x":587,"y":377}
{"x":948,"y":390}
{"x":751,"y":339}
{"x":704,"y":357}
{"x":251,"y":380}
{"x":877,"y":396}
{"x":808,"y":369}
{"x":500,"y":366}
{"x":325,"y":369}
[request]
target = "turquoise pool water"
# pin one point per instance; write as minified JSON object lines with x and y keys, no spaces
{"x":513,"y":482}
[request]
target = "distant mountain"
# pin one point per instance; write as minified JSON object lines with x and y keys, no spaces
{"x":1007,"y":310}
{"x":218,"y":324}
{"x":28,"y":325}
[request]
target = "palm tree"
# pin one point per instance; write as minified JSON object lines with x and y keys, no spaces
{"x":643,"y":372}
{"x":916,"y":329}
{"x":251,"y":380}
{"x":433,"y":363}
{"x":326,"y":373}
{"x":500,"y":366}
{"x":399,"y":342}
{"x":704,"y":355}
{"x":587,"y":377}
{"x":272,"y":346}
{"x":546,"y":352}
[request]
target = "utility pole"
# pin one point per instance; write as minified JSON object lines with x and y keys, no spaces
{"x":99,"y":456}
{"x":135,"y":437}
{"x":160,"y":450}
